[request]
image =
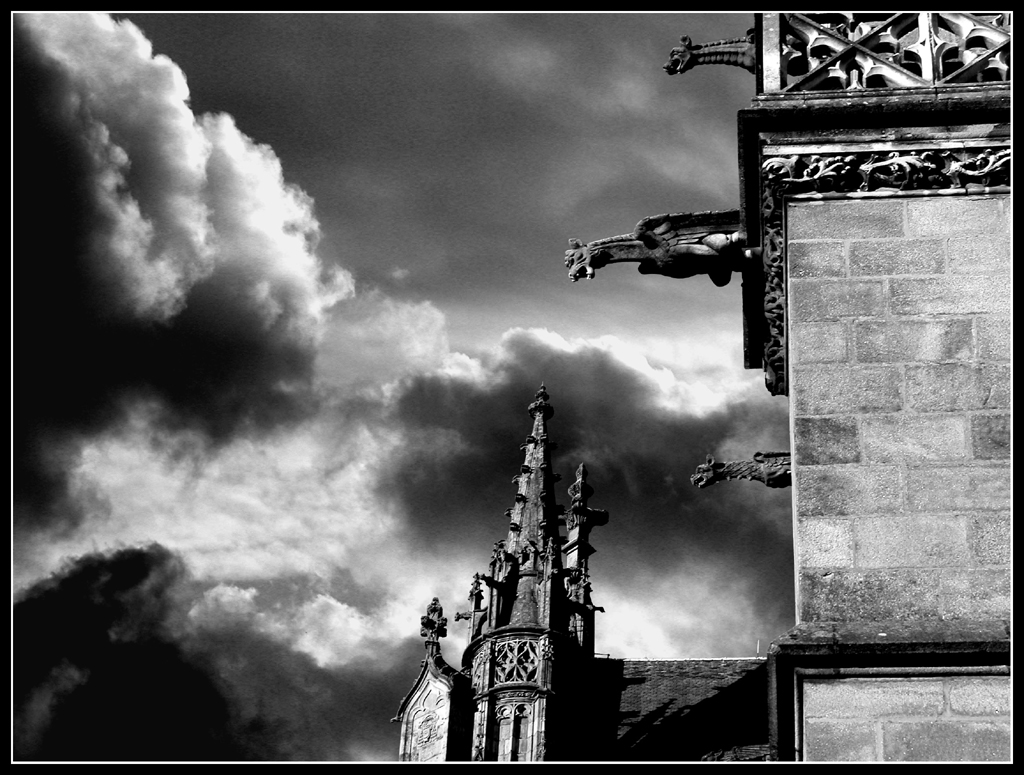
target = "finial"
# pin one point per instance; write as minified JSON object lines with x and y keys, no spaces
{"x":541,"y":405}
{"x":579,"y":513}
{"x":434,"y":625}
{"x":580,"y":491}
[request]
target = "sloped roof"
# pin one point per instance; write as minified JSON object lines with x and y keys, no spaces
{"x":682,"y":710}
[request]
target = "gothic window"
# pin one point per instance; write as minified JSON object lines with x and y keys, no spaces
{"x":504,"y":715}
{"x":513,"y":733}
{"x":520,"y":734}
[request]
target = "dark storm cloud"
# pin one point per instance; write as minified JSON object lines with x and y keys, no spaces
{"x":454,"y":478}
{"x":100,"y":673}
{"x":472,"y":144}
{"x":109,"y":667}
{"x":147,"y":266}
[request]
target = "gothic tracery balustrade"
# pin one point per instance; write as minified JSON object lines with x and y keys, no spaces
{"x":837,"y":51}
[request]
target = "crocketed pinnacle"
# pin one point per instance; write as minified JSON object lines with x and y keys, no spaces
{"x":533,"y":523}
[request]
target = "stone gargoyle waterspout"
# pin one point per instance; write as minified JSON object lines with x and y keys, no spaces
{"x":739,"y":52}
{"x":673,"y":245}
{"x":774,"y":469}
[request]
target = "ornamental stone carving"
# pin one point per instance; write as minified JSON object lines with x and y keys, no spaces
{"x":673,"y":245}
{"x":515,"y":661}
{"x":434,"y":625}
{"x":739,"y":52}
{"x":519,"y":694}
{"x":480,"y":662}
{"x":774,"y":469}
{"x":844,"y":51}
{"x":950,"y":170}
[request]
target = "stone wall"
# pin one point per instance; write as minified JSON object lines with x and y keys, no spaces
{"x":899,"y":346}
{"x":907,"y":719}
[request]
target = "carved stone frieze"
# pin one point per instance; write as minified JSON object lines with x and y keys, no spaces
{"x":774,"y":469}
{"x":855,"y":51}
{"x":517,"y":694}
{"x":673,"y":245}
{"x":962,"y":169}
{"x":988,"y":168}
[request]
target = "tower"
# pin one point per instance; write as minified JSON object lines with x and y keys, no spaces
{"x":531,"y":623}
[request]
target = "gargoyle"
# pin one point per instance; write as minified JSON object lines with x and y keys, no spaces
{"x":772,"y":468}
{"x":673,"y":245}
{"x":740,"y":52}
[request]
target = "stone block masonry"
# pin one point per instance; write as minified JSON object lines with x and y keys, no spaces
{"x":938,"y":718}
{"x":899,"y":330}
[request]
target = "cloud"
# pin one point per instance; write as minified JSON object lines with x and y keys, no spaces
{"x":161,"y":259}
{"x":320,"y":544}
{"x":375,"y":339}
{"x":641,"y":429}
{"x":111,"y":667}
{"x":329,"y":631}
{"x":312,"y":473}
{"x":102,"y":672}
{"x":411,"y":482}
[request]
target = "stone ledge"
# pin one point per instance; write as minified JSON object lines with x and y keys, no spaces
{"x":902,"y":638}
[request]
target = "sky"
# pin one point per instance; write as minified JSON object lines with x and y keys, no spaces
{"x":284,"y":286}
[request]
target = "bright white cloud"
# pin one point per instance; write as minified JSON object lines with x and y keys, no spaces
{"x":179,"y":196}
{"x":674,"y":394}
{"x":687,"y":614}
{"x":374,"y":338}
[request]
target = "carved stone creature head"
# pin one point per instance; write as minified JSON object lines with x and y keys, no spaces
{"x":681,"y":59}
{"x":705,"y":474}
{"x":577,"y":258}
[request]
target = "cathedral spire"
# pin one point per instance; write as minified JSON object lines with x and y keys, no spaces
{"x":534,"y":611}
{"x":533,"y":521}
